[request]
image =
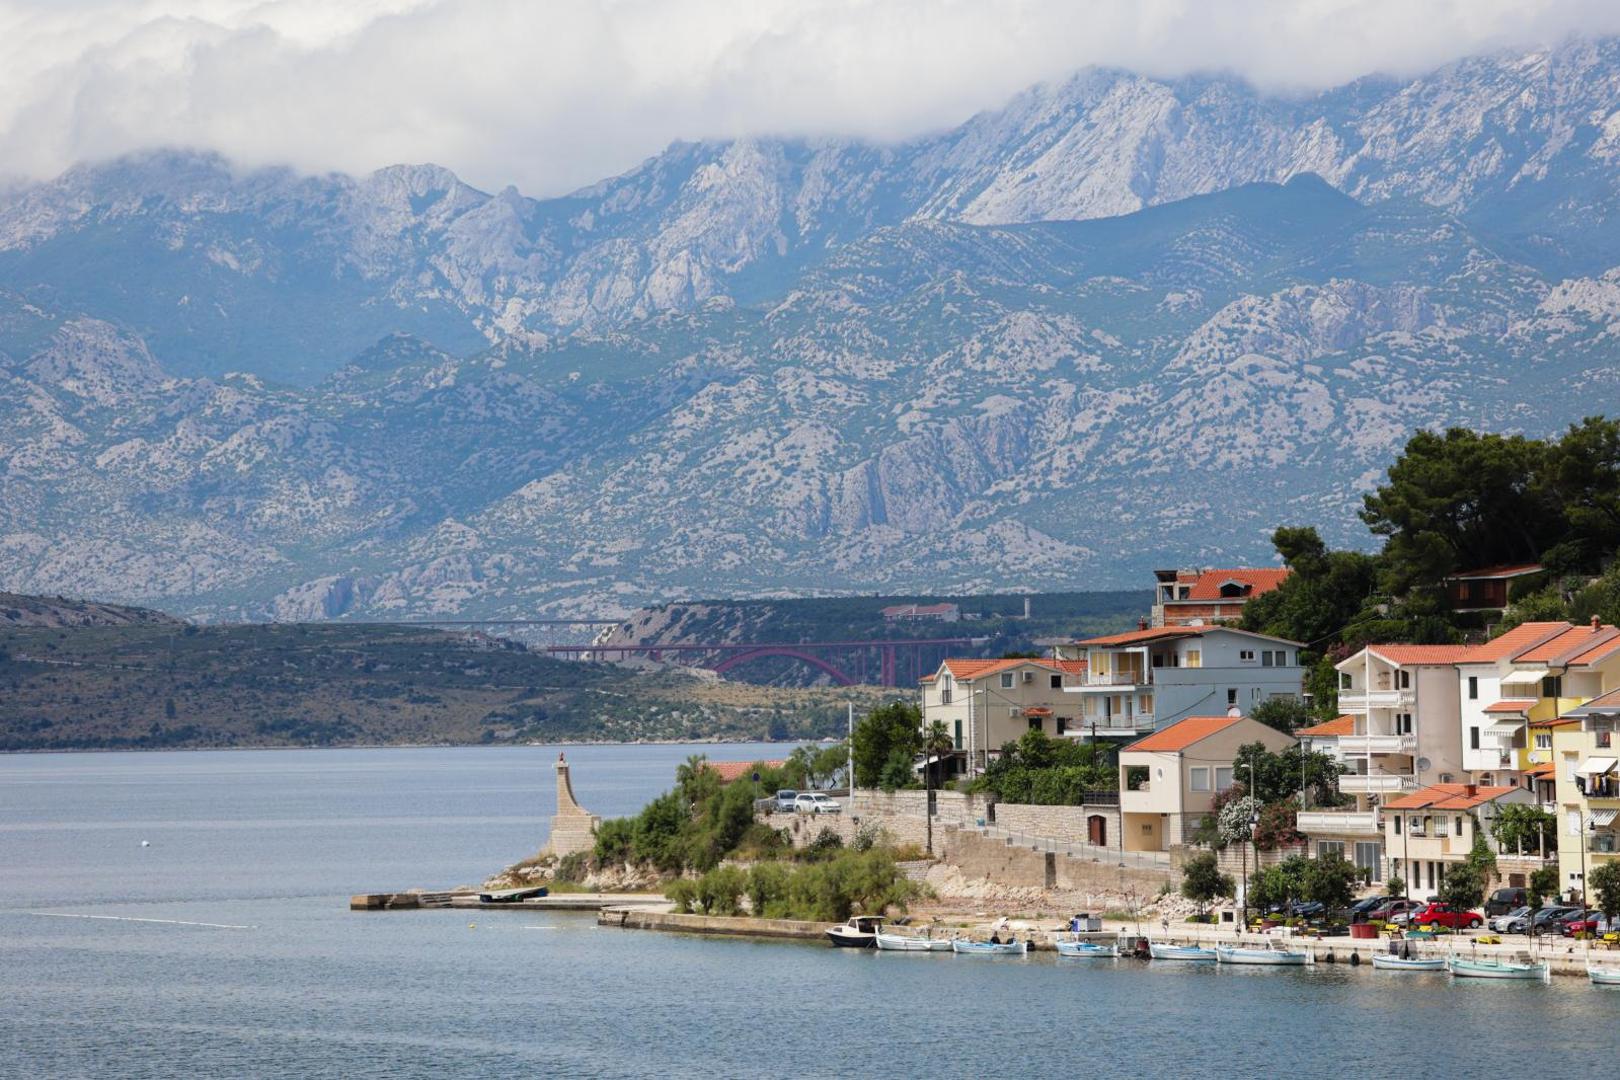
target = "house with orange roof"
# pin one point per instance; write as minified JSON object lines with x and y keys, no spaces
{"x":1354,"y":834}
{"x":985,"y":704}
{"x":1586,"y":771}
{"x":1202,"y":597}
{"x":1153,"y":676}
{"x":1486,"y":588}
{"x":1405,"y":699}
{"x":1168,"y":780}
{"x":1432,"y":829}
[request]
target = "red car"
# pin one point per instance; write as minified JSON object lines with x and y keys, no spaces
{"x":1582,"y":922}
{"x":1445,"y":915}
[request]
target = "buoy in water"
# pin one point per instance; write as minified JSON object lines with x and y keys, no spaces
{"x":472,"y":926}
{"x":146,"y":843}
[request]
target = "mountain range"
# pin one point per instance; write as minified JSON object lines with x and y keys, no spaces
{"x":1120,"y":322}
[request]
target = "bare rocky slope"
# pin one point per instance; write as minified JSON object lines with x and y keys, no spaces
{"x":1115,"y":323}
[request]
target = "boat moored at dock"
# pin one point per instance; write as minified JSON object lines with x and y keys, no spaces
{"x":858,"y":932}
{"x":1161,"y":951}
{"x":1267,"y":957}
{"x":1403,"y":963}
{"x":890,"y":942}
{"x":1093,"y":949}
{"x":989,"y":948}
{"x":1603,"y":976}
{"x":1497,"y":969}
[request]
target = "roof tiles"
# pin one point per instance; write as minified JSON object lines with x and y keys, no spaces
{"x":1449,"y":797}
{"x":1183,"y":733}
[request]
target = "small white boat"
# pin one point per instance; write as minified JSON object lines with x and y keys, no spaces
{"x":905,"y":943}
{"x":1497,"y":969}
{"x":859,"y":932}
{"x":1384,"y":962}
{"x":1603,"y":976}
{"x":989,"y":948}
{"x":1180,"y":952}
{"x":1087,"y":948}
{"x":1231,"y":954}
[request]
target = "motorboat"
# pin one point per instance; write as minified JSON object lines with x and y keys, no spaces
{"x":989,"y":948}
{"x":1194,"y":953}
{"x":1236,"y":954}
{"x":1497,"y":969}
{"x":1603,"y":976}
{"x":858,"y":932}
{"x":1385,"y":962}
{"x":888,"y":942}
{"x":1089,"y":949}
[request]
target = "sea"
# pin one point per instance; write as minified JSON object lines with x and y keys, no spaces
{"x":185,"y":914}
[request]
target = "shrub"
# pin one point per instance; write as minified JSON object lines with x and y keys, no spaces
{"x":719,"y":891}
{"x":682,"y":892}
{"x":826,"y":843}
{"x":1202,"y":880}
{"x":571,"y":868}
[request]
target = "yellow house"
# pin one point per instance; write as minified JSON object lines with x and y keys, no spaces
{"x":1168,"y":781}
{"x":1431,"y":830}
{"x":1587,"y":788}
{"x":985,"y":704}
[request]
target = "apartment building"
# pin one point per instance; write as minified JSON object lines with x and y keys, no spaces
{"x":1152,"y":677}
{"x":1429,"y":831}
{"x":1587,"y":788}
{"x":985,"y":704}
{"x":1405,"y":701}
{"x":1201,"y":597}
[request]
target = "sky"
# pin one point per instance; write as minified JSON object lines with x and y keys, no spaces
{"x":550,"y":95}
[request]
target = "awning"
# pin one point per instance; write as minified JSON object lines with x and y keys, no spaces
{"x":1512,"y":706}
{"x":1529,"y":675}
{"x":1596,"y":766}
{"x":1604,"y":817}
{"x":1502,"y":730}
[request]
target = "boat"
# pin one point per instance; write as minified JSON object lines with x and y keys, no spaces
{"x":859,"y":932}
{"x":1180,"y":952}
{"x":989,"y":948}
{"x":1087,"y":948}
{"x":1603,"y":976}
{"x":1497,"y":969}
{"x":1385,"y":962}
{"x":1234,"y":954}
{"x":906,"y":943}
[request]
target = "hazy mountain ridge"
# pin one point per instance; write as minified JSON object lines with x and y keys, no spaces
{"x":771,"y":366}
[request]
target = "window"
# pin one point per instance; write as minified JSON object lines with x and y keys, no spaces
{"x":958,"y":741}
{"x":1572,"y":821}
{"x":1441,"y":826}
{"x":1195,"y":658}
{"x":1370,"y":857}
{"x":1552,"y":686}
{"x":1324,"y":848}
{"x":1459,"y":831}
{"x":1397,"y":820}
{"x":945,"y":690}
{"x":1543,"y":740}
{"x":1473,"y":688}
{"x":1344,"y":680}
{"x":1062,"y":724}
{"x":1473,"y":738}
{"x":1403,"y":723}
{"x":1198,"y":779}
{"x":1417,"y":825}
{"x":1057,"y":682}
{"x":1223,"y":778}
{"x":1247,"y":655}
{"x":1403,"y":680}
{"x":1267,"y":658}
{"x":1231,"y":696}
{"x":1035,"y":723}
{"x":1006,"y":680}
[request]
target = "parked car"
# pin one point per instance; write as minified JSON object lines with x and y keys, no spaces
{"x":1545,"y":920}
{"x":786,"y":800}
{"x":816,"y":803}
{"x":1306,"y":909}
{"x":1504,"y":923}
{"x":1503,"y":901}
{"x":1394,"y":911}
{"x":1443,"y":914}
{"x":1580,"y":922}
{"x":1361,"y":910}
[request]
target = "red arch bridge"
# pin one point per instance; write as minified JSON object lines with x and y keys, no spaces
{"x":883,"y":663}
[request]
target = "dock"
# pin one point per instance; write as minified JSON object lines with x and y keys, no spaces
{"x":406,"y":901}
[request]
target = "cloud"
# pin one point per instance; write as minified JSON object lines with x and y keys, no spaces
{"x":554,"y":95}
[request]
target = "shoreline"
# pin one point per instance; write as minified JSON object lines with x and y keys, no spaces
{"x":565,"y":744}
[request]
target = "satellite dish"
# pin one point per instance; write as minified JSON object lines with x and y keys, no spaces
{"x":1423,"y":764}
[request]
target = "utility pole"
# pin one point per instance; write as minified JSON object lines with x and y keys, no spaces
{"x":849,"y":755}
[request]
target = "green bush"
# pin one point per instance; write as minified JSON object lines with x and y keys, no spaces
{"x":572,"y":868}
{"x":682,"y":892}
{"x":720,"y":890}
{"x":826,"y":844}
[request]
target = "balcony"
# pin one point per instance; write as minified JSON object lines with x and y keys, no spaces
{"x":1340,"y":822}
{"x":1375,"y":783}
{"x":1359,"y":701}
{"x":1115,"y":678}
{"x":1117,"y":725}
{"x":1378,"y":744}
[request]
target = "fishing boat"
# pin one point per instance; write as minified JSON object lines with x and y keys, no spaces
{"x":1180,"y":952}
{"x":1603,"y":976}
{"x":1497,"y":969}
{"x":906,"y":943}
{"x":1087,"y":948}
{"x":989,"y":948}
{"x":859,"y":932}
{"x":1233,"y":954}
{"x":1384,"y":962}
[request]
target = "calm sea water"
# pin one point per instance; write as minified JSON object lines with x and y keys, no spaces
{"x":275,"y":841}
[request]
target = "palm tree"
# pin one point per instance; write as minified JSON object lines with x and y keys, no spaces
{"x":936,"y":743}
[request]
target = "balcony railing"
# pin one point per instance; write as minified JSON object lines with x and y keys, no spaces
{"x":1375,"y":783}
{"x":1115,"y":678}
{"x":1359,"y":701}
{"x":1378,"y":744}
{"x":1339,"y":822}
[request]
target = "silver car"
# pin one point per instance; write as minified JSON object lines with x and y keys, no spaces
{"x":1504,"y":923}
{"x":816,"y":803}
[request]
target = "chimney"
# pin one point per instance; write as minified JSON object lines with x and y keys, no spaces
{"x":1471,"y":790}
{"x":1141,"y":624}
{"x":1596,"y":625}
